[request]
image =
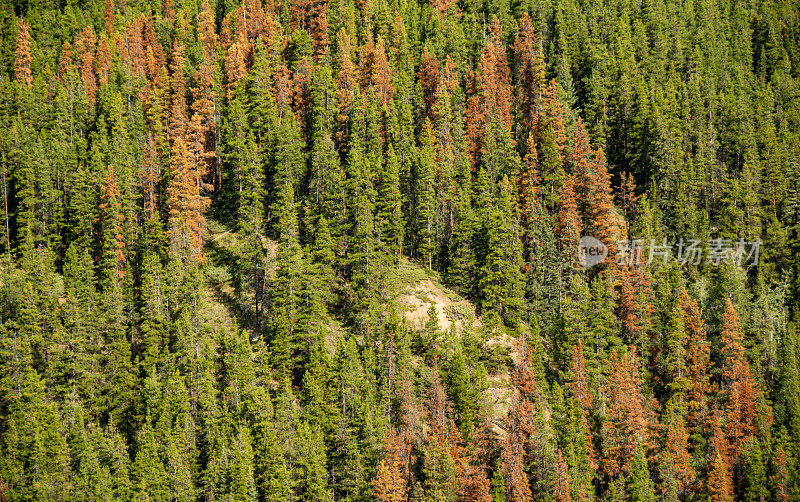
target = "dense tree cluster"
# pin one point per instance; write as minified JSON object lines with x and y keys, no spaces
{"x":209,"y":209}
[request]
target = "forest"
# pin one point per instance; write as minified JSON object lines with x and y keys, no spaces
{"x":400,"y":250}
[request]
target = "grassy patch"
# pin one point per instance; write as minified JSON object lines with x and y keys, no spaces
{"x":460,"y":312}
{"x":410,"y":273}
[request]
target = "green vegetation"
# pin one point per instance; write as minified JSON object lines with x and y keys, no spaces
{"x":328,"y":250}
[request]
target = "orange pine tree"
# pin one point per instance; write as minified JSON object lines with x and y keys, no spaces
{"x":562,"y":493}
{"x":135,"y":54}
{"x":318,"y":25}
{"x":475,"y":486}
{"x":578,"y":383}
{"x":429,"y":75}
{"x":629,"y":415}
{"x":635,"y":307}
{"x":496,"y":76}
{"x":602,"y":221}
{"x":65,"y":62}
{"x":389,"y":484}
{"x":628,"y":311}
{"x":698,"y":360}
{"x":186,"y":204}
{"x":780,"y":478}
{"x":437,"y":404}
{"x":112,"y":219}
{"x":206,"y":32}
{"x":203,"y":125}
{"x":366,"y":61}
{"x":524,"y":427}
{"x":677,"y":450}
{"x":473,"y":120}
{"x":569,"y":223}
{"x":298,"y":10}
{"x":720,"y":488}
{"x":155,"y":59}
{"x":738,"y":385}
{"x":236,"y":57}
{"x":22,"y":55}
{"x":719,"y":484}
{"x":169,"y":11}
{"x":374,"y":70}
{"x":108,"y":14}
{"x":103,"y":60}
{"x":513,"y":467}
{"x":85,"y":45}
{"x":300,"y":92}
{"x":490,"y":93}
{"x":444,"y":7}
{"x":251,"y":18}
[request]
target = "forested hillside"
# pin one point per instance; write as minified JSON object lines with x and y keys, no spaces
{"x":356,"y":250}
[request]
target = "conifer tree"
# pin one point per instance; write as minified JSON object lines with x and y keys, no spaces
{"x":425,"y":207}
{"x":148,"y":471}
{"x":640,"y":486}
{"x":582,"y":399}
{"x":531,"y":67}
{"x":327,"y":189}
{"x":178,"y":122}
{"x":755,"y":486}
{"x":440,"y":469}
{"x":285,"y":303}
{"x":203,"y":121}
{"x":501,"y":277}
{"x":364,"y":254}
{"x":346,"y":85}
{"x":251,"y":219}
{"x":790,"y":379}
{"x":313,"y":482}
{"x":389,"y":211}
{"x":551,"y":147}
{"x":516,"y":480}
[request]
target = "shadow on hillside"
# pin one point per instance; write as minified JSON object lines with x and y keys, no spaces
{"x":242,"y":310}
